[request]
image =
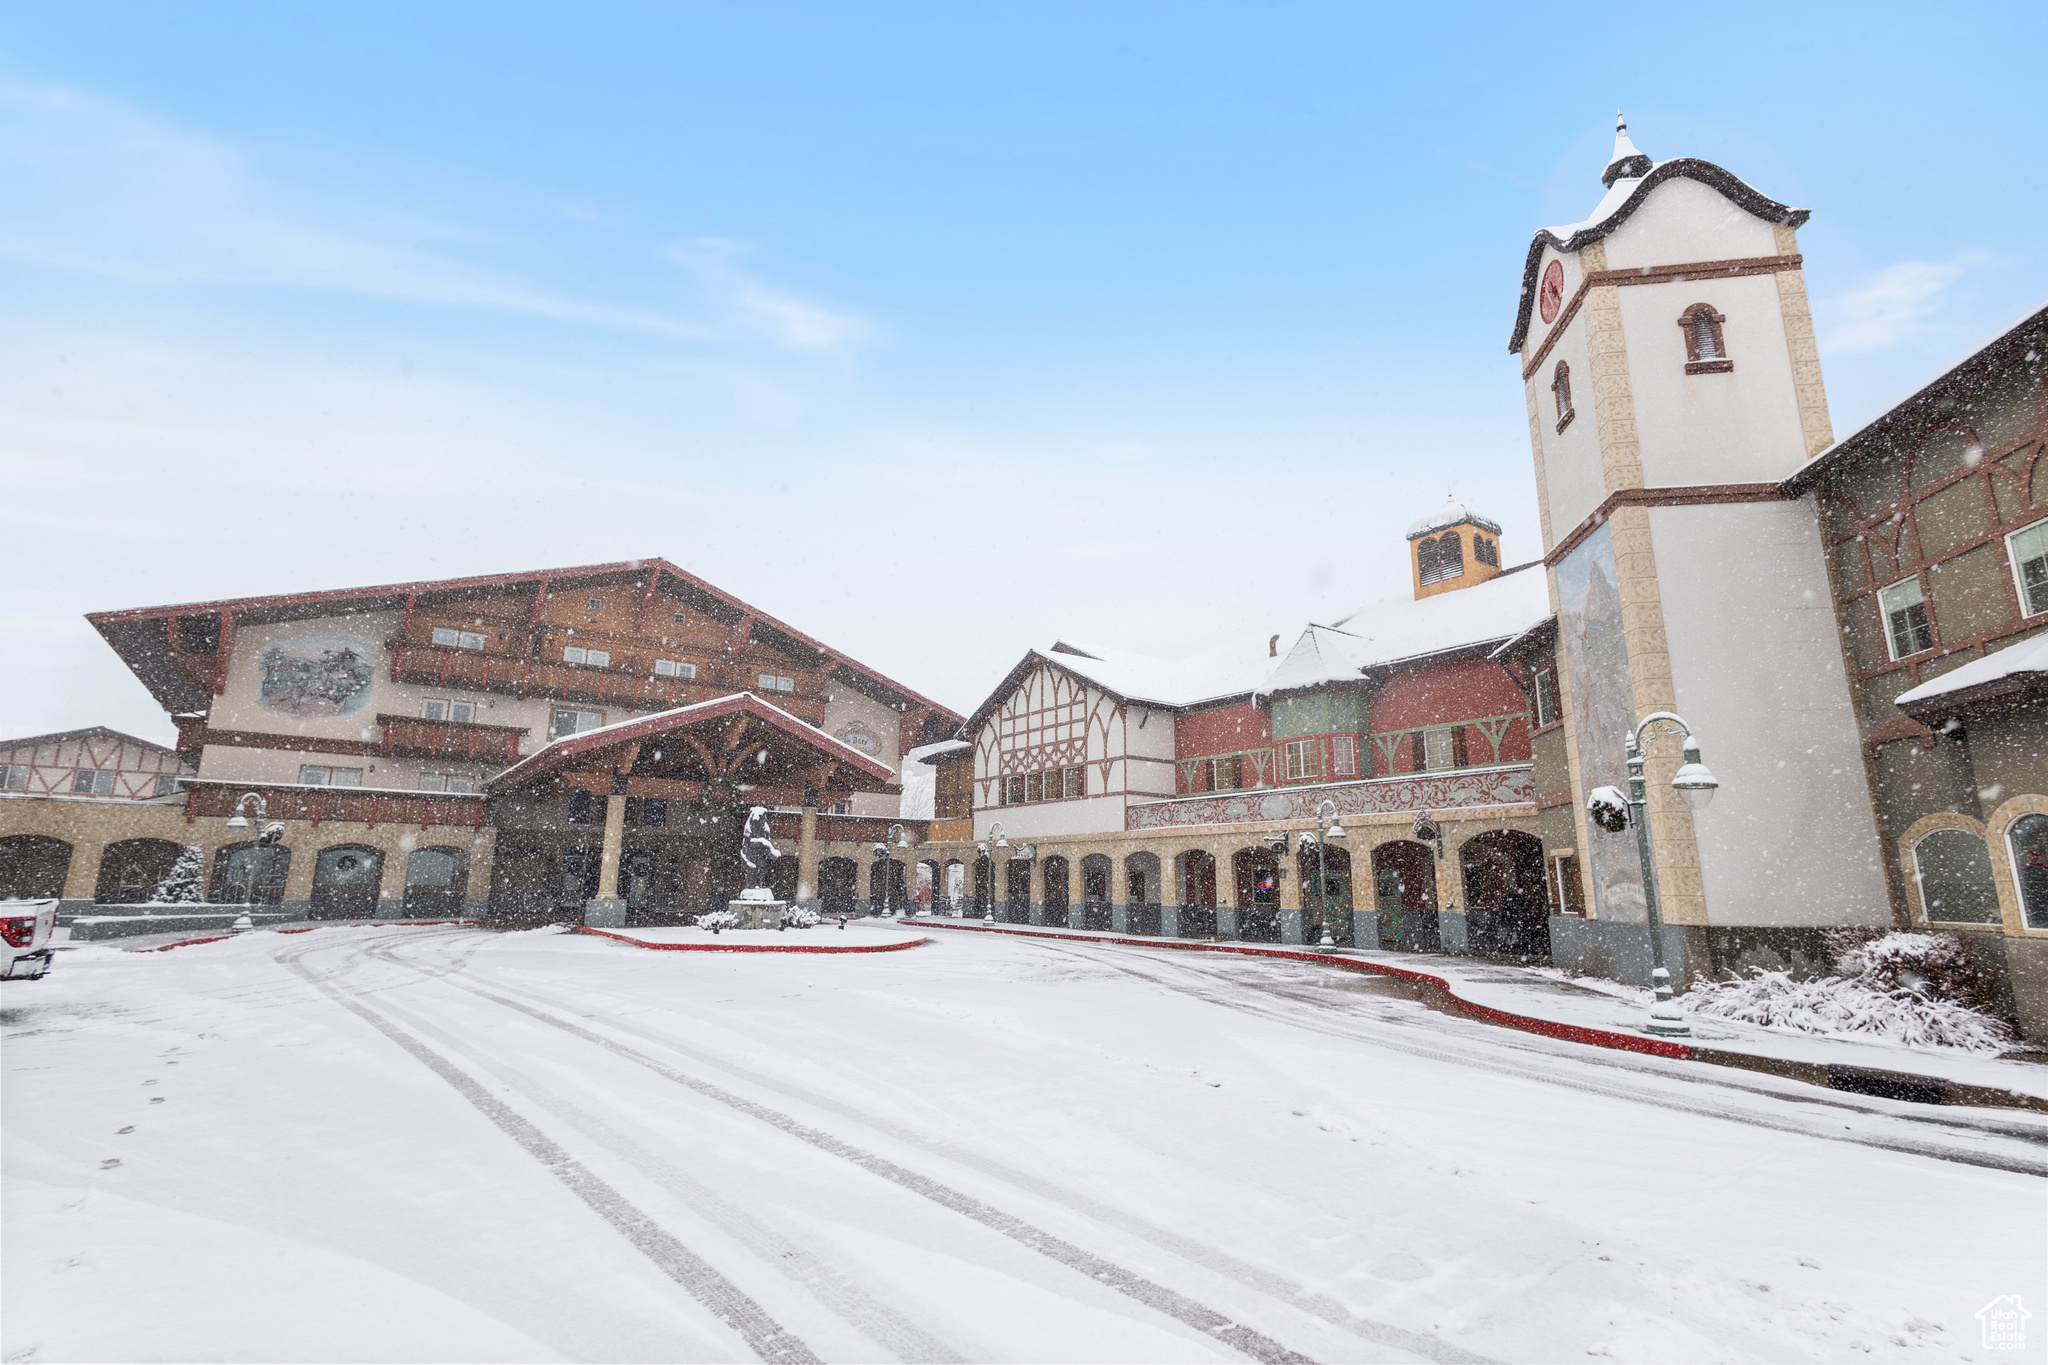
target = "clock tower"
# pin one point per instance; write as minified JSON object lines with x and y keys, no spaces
{"x":1668,"y":360}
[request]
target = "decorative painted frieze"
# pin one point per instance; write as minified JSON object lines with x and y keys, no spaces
{"x":1502,"y":786}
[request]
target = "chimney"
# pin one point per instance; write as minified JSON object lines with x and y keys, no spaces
{"x":1273,"y":648}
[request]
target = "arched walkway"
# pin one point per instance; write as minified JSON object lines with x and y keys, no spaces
{"x":1256,"y":872}
{"x":1056,"y":893}
{"x":131,"y":869}
{"x":984,"y":885}
{"x":953,"y":890}
{"x":885,"y":886}
{"x":1325,"y":894}
{"x":1404,"y":896}
{"x":244,"y":874}
{"x":1507,"y":913}
{"x":1197,"y":893}
{"x":33,"y":867}
{"x":837,"y":890}
{"x":1096,"y":870}
{"x":1017,"y":892}
{"x":346,"y":878}
{"x":436,"y":882}
{"x":1141,"y":893}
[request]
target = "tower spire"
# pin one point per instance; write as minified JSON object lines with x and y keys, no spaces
{"x":1627,"y":162}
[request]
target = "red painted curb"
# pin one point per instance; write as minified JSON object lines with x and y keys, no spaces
{"x":1573,"y":1033}
{"x":746,"y":947}
{"x":343,"y":924}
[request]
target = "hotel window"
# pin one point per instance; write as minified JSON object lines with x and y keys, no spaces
{"x":2030,"y":567}
{"x":568,"y":722}
{"x":15,"y":777}
{"x":775,"y":682}
{"x":1705,"y":351}
{"x":93,"y":781}
{"x":457,"y":639}
{"x":1905,"y":618}
{"x":1303,"y":758}
{"x":1546,"y":696}
{"x":440,"y":708}
{"x":595,"y":658}
{"x":446,"y":782}
{"x":1561,"y":391}
{"x":1034,"y":787}
{"x":1439,"y":749}
{"x":1074,"y":782}
{"x":837,"y":807}
{"x":321,"y":775}
{"x":2028,"y":839}
{"x":1486,"y":550}
{"x":1344,"y":756}
{"x":597,"y":604}
{"x":1013,"y":791}
{"x":166,"y":784}
{"x":1223,"y":774}
{"x":582,"y":808}
{"x":682,"y":618}
{"x":674,"y":668}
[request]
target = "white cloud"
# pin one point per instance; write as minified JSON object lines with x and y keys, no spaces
{"x":789,"y":322}
{"x":96,"y":187}
{"x":1895,"y":305}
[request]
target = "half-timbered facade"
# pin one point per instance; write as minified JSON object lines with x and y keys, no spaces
{"x":92,"y":762}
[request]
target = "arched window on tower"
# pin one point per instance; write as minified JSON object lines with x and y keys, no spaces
{"x":1706,"y":352}
{"x":1561,"y":390}
{"x":1440,"y":557}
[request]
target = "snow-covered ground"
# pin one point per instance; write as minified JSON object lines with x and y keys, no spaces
{"x":442,"y":1143}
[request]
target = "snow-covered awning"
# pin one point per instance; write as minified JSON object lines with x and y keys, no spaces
{"x":2013,"y":674}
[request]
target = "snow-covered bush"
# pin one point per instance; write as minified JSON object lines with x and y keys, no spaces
{"x":715,"y":920}
{"x":1918,"y":990}
{"x":796,"y":917}
{"x":182,"y":884}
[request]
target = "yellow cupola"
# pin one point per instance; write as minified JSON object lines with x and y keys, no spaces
{"x":1452,"y":548}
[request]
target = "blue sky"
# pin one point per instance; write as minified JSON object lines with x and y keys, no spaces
{"x":937,"y":331}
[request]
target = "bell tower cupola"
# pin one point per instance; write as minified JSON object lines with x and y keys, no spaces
{"x":1452,"y":548}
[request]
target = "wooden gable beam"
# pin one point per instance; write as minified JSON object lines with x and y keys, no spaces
{"x":646,"y":601}
{"x":540,"y":599}
{"x":735,"y":731}
{"x":746,"y":633}
{"x":220,"y":657}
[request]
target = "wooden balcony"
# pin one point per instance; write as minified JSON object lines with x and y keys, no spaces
{"x":474,"y":670}
{"x":207,"y":799}
{"x":787,"y":829}
{"x":412,"y":737}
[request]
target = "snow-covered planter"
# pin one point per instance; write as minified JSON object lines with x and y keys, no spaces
{"x":716,"y":920}
{"x":1916,"y":990}
{"x":796,"y":917}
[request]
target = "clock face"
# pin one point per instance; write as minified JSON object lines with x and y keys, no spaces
{"x":1551,"y":294}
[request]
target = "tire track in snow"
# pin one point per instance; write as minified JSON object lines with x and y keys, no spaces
{"x":1221,"y":1263}
{"x":1160,"y":1298}
{"x":1446,"y":1049}
{"x":767,"y":1338}
{"x":851,"y":1303}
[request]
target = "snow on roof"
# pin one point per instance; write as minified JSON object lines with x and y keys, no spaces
{"x":1231,"y":669}
{"x":932,"y":753}
{"x":2028,"y":656}
{"x":1400,"y":628}
{"x":1450,"y":514}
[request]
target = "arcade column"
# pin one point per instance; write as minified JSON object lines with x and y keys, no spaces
{"x":607,"y":911}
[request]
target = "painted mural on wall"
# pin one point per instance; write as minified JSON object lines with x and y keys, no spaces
{"x":1373,"y":796}
{"x":1596,"y":660}
{"x":312,"y":676}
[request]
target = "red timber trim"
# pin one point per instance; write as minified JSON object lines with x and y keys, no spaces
{"x":732,"y":651}
{"x":540,"y":600}
{"x":646,"y":601}
{"x":404,"y":629}
{"x":1654,"y":274}
{"x":220,"y":657}
{"x":1572,"y":1033}
{"x":1892,"y":731}
{"x":1695,"y":495}
{"x":716,"y":947}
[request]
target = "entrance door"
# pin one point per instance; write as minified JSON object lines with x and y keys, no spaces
{"x":578,"y":882}
{"x":1404,"y":887}
{"x":1387,"y":891}
{"x":1017,"y":891}
{"x":836,"y":886}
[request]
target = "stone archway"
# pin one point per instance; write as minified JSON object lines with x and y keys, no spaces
{"x":1256,"y":875}
{"x":1197,"y":893}
{"x":1141,"y":894}
{"x":1096,"y":873}
{"x":33,"y":867}
{"x":1506,"y":910}
{"x":131,"y":870}
{"x":1056,"y":891}
{"x":1404,"y":896}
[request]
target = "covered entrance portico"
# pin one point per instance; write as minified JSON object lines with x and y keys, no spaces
{"x":641,"y":822}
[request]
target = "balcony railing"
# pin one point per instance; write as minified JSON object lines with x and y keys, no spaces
{"x":440,"y":666}
{"x":207,"y":799}
{"x":412,"y":737}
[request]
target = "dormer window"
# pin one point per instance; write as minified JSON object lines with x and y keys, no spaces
{"x":1440,"y":558}
{"x":1486,"y":551}
{"x":1561,"y":390}
{"x":1706,"y":352}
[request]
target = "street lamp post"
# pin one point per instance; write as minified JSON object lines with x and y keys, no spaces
{"x":267,"y":834}
{"x":1610,"y":810}
{"x":996,"y":838}
{"x":892,"y":899}
{"x":1326,"y":829}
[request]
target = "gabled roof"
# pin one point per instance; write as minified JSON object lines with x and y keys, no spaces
{"x":569,"y":750}
{"x":60,"y":736}
{"x":1630,"y":177}
{"x":139,"y":636}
